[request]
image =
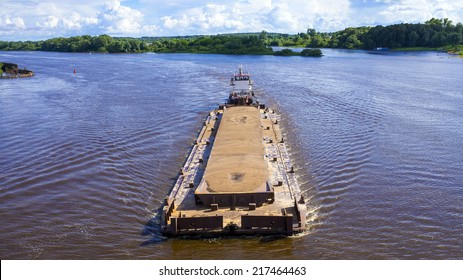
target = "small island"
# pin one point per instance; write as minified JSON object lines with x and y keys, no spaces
{"x":12,"y":71}
{"x":305,"y":52}
{"x":232,"y":44}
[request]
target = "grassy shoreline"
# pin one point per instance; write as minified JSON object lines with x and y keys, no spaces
{"x":454,"y":50}
{"x":417,"y":49}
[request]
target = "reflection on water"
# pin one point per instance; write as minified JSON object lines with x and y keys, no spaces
{"x":87,"y":158}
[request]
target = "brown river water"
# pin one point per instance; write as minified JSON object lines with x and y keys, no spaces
{"x":87,"y":158}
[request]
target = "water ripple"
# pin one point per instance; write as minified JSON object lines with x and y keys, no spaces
{"x":86,"y":159}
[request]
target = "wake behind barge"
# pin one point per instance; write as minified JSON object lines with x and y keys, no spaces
{"x":238,"y":177}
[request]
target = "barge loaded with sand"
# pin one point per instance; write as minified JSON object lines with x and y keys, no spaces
{"x":238,"y":177}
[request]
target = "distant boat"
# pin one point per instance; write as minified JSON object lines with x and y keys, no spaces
{"x":381,"y":49}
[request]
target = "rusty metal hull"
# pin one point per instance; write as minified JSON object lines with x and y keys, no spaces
{"x":276,"y":207}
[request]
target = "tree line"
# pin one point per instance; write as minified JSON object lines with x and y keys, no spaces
{"x":226,"y":44}
{"x":86,"y":43}
{"x":220,"y":44}
{"x":433,"y":33}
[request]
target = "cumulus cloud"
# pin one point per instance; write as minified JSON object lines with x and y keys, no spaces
{"x":298,"y":15}
{"x":418,"y":9}
{"x":321,"y":15}
{"x":72,"y":21}
{"x":213,"y":18}
{"x":52,"y":18}
{"x":210,"y":18}
{"x":35,"y":19}
{"x":15,"y":23}
{"x":280,"y":16}
{"x":118,"y":19}
{"x":11,"y":25}
{"x":171,"y":23}
{"x":242,"y":16}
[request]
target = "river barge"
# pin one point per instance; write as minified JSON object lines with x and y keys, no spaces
{"x":238,"y":178}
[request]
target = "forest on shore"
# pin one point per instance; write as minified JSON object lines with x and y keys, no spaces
{"x":434,"y":34}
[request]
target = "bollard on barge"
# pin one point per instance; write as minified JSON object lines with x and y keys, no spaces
{"x":238,"y":178}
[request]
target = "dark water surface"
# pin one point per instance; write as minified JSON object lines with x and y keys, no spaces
{"x":87,"y":158}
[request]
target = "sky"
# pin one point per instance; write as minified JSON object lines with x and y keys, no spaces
{"x":22,"y":20}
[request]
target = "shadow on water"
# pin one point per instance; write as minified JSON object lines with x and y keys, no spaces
{"x":271,"y":238}
{"x":152,"y":229}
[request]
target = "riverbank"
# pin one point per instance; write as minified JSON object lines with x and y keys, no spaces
{"x":454,"y":50}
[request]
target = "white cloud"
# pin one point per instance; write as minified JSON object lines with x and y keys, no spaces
{"x":215,"y":18}
{"x":420,"y":11}
{"x":34,"y":19}
{"x":71,"y":21}
{"x":118,"y":19}
{"x":281,"y":17}
{"x":11,"y":25}
{"x":321,"y":15}
{"x":243,"y":16}
{"x":52,"y":18}
{"x":6,"y":22}
{"x":210,"y":18}
{"x":50,"y":22}
{"x":172,"y":23}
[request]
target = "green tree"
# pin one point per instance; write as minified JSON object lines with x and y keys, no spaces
{"x":285,"y":52}
{"x":233,"y":46}
{"x":353,"y":42}
{"x":454,"y":38}
{"x":447,"y":25}
{"x":264,"y":36}
{"x":438,"y":39}
{"x":317,"y":41}
{"x":311,"y":32}
{"x":102,"y":41}
{"x":435,"y":23}
{"x":134,"y":45}
{"x":311,"y":52}
{"x":115,"y":47}
{"x":274,"y":43}
{"x":459,"y":28}
{"x":412,"y":38}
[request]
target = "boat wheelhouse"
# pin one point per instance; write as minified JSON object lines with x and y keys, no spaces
{"x":242,"y":93}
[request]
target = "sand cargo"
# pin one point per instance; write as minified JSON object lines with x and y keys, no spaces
{"x":238,"y":177}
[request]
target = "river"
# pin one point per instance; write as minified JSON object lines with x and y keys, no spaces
{"x":86,"y":158}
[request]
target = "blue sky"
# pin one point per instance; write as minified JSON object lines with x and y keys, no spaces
{"x":42,"y":19}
